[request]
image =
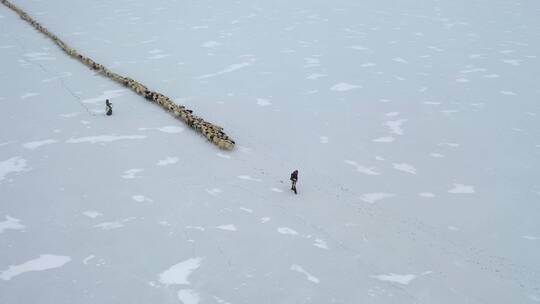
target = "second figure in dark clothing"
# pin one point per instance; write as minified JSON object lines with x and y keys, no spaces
{"x":294,"y":179}
{"x":108,"y":107}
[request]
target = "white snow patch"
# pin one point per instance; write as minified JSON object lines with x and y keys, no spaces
{"x":166,"y":129}
{"x":362,"y":169}
{"x":395,"y":126}
{"x":28,"y":95}
{"x":320,"y":243}
{"x":301,"y":270}
{"x":277,"y":190}
{"x":453,"y":228}
{"x":158,"y":56}
{"x":531,"y":238}
{"x":315,"y":76}
{"x":246,"y":210}
{"x":343,"y":86}
{"x":311,"y":62}
{"x":405,"y":168}
{"x":367,"y":64}
{"x":374,"y":197}
{"x":6,"y":143}
{"x":514,"y":62}
{"x":214,"y":191}
{"x":436,"y":155}
{"x":11,"y":223}
{"x":403,"y":279}
{"x":171,"y":129}
{"x":385,"y":139}
{"x":179,"y":273}
{"x":167,"y":161}
{"x":141,"y":199}
{"x":220,"y":300}
{"x":461,"y":189}
{"x":188,"y":296}
{"x":231,"y":68}
{"x":449,"y":144}
{"x":323,"y":139}
{"x":12,"y":165}
{"x":263,"y":102}
{"x":228,"y":227}
{"x":36,"y":144}
{"x":196,"y":228}
{"x":70,"y":115}
{"x":265,"y":220}
{"x":44,"y":262}
{"x":434,"y":48}
{"x":88,"y":258}
{"x":247,"y":177}
{"x":426,"y":194}
{"x":92,"y":214}
{"x":131,"y":173}
{"x":400,"y":60}
{"x":286,"y":230}
{"x":102,"y":138}
{"x":211,"y":44}
{"x":223,"y":155}
{"x":113,"y":225}
{"x":245,"y":150}
{"x":359,"y":48}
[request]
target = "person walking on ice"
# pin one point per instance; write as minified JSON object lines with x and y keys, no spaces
{"x":108,"y":107}
{"x":294,"y":179}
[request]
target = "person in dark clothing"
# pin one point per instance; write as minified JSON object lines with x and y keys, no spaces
{"x":108,"y":107}
{"x":294,"y":179}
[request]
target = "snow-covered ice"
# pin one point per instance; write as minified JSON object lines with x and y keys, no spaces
{"x":102,"y":138}
{"x":168,"y":161}
{"x":362,"y":169}
{"x":461,"y":189}
{"x":343,"y":86}
{"x":179,"y":273}
{"x":403,"y":279}
{"x":227,"y":227}
{"x":36,"y":144}
{"x":286,"y":230}
{"x":92,"y":213}
{"x":43,"y":262}
{"x":188,"y":296}
{"x":301,"y":270}
{"x":11,"y":223}
{"x":404,"y":167}
{"x":375,"y":197}
{"x":414,"y":127}
{"x":12,"y":165}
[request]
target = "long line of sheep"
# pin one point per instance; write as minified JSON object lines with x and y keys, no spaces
{"x":212,"y":132}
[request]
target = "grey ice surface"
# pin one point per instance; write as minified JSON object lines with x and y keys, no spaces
{"x":414,"y":126}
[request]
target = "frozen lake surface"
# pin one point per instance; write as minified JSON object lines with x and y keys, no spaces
{"x":415,"y":127}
